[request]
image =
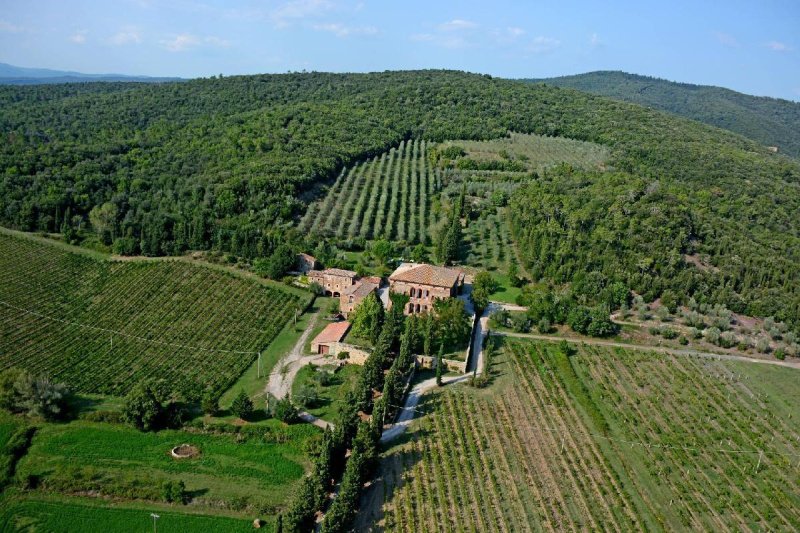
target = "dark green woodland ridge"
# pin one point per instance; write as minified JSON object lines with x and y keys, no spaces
{"x":770,"y":121}
{"x":230,"y":164}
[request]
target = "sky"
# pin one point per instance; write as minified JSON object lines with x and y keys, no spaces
{"x":752,"y":47}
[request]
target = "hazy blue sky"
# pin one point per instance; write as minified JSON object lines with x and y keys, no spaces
{"x":752,"y":47}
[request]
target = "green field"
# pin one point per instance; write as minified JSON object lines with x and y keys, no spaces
{"x":254,"y":474}
{"x":389,"y":196}
{"x":607,"y":439}
{"x":53,"y":516}
{"x":103,"y":326}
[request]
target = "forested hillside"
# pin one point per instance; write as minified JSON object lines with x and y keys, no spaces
{"x":770,"y":121}
{"x":230,"y":164}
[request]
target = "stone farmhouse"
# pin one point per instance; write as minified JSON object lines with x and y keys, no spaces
{"x":353,"y":295}
{"x":306,"y":263}
{"x":424,"y":284}
{"x":333,"y":280}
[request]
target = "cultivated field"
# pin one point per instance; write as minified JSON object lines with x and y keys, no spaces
{"x":586,"y":443}
{"x":536,"y":152}
{"x":103,"y":326}
{"x":389,"y":197}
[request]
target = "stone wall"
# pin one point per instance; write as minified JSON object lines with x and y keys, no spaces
{"x":357,"y":355}
{"x":426,"y":361}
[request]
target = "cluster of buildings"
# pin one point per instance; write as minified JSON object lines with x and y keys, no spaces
{"x":422,"y":283}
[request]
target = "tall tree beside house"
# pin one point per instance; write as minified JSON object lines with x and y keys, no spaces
{"x":483,"y":285}
{"x":367,"y":318}
{"x":450,"y":235}
{"x":439,"y":370}
{"x":452,"y":323}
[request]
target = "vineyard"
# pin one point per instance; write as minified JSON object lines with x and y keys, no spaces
{"x":582,"y":443}
{"x":103,"y":326}
{"x":389,"y":196}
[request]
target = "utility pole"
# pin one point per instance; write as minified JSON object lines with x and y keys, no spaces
{"x":259,"y":365}
{"x":155,"y":517}
{"x":760,"y":455}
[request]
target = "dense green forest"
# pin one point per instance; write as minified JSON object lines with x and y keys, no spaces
{"x":230,"y":163}
{"x":770,"y":121}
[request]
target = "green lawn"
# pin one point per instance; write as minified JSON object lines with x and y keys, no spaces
{"x":257,"y":473}
{"x":22,"y":513}
{"x":505,"y":292}
{"x":329,"y":396}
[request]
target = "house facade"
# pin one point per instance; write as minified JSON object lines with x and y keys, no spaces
{"x":424,"y":284}
{"x":352,"y":296}
{"x":334,"y":281}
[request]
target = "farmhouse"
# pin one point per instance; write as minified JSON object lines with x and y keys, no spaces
{"x":332,"y":334}
{"x":353,"y":295}
{"x":306,"y":263}
{"x":425,"y":284}
{"x":333,"y":280}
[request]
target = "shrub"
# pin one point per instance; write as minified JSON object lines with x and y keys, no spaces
{"x":727,"y":339}
{"x":242,"y":405}
{"x":544,"y":326}
{"x":147,"y":405}
{"x":307,"y":396}
{"x":762,"y":345}
{"x":780,"y":354}
{"x":683,"y":341}
{"x":175,"y":492}
{"x":209,"y":403}
{"x":669,"y":333}
{"x":712,"y":335}
{"x":285,"y":411}
{"x":20,"y":392}
{"x":520,"y":323}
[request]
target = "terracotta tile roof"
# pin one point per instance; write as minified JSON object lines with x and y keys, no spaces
{"x":307,"y":257}
{"x":339,"y":272}
{"x":426,"y":275}
{"x":360,"y":289}
{"x":334,"y":332}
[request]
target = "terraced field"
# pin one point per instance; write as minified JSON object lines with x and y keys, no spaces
{"x":583,"y":443}
{"x":102,"y":326}
{"x":389,"y":197}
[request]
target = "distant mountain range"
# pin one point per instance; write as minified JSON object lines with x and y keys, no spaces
{"x":770,"y":121}
{"x":13,"y":75}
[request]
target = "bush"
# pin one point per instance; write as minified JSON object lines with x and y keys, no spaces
{"x":20,"y":392}
{"x":683,"y":341}
{"x":727,"y":339}
{"x":780,"y":354}
{"x":669,"y":333}
{"x":520,"y":323}
{"x":242,"y":406}
{"x":209,"y":404}
{"x":285,"y":411}
{"x":762,"y":345}
{"x":544,"y":326}
{"x":306,"y":396}
{"x":175,"y":492}
{"x":712,"y":335}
